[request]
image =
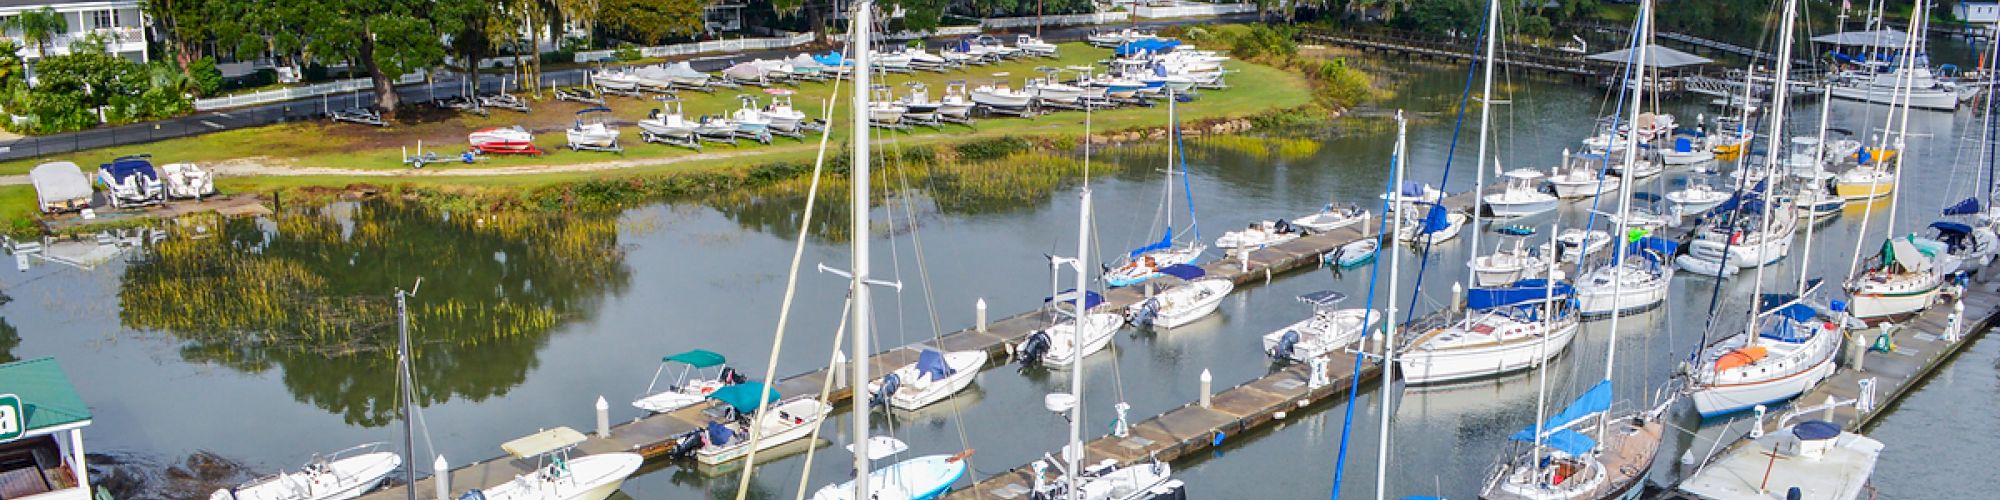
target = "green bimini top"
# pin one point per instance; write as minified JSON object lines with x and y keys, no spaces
{"x":698,"y":358}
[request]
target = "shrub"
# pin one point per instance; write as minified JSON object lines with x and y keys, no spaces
{"x":991,"y":149}
{"x":626,"y":52}
{"x":207,"y":79}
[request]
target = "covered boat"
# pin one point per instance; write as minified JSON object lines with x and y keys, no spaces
{"x":936,"y":375}
{"x":60,"y":186}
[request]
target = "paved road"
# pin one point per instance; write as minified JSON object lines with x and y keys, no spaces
{"x":317,"y":108}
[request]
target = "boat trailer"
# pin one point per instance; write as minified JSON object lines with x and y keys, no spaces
{"x":579,"y":94}
{"x":692,"y":141}
{"x":362,"y":116}
{"x":503,"y":101}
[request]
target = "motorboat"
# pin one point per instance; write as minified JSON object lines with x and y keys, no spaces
{"x":615,"y":80}
{"x":60,"y":187}
{"x":653,"y":78}
{"x":1900,"y":281}
{"x":1064,"y":341}
{"x":921,"y":59}
{"x":780,"y":113}
{"x":715,"y":126}
{"x":1503,"y":331}
{"x":782,"y":421}
{"x":1328,"y":330}
{"x":1034,"y":46}
{"x":956,"y":103}
{"x":1915,"y":87}
{"x":934,"y":376}
{"x":1573,"y":244}
{"x":187,"y":180}
{"x":1687,"y":147}
{"x":834,"y":62}
{"x":995,"y":46}
{"x":1729,"y":138}
{"x":1864,"y":182}
{"x":700,"y":373}
{"x":340,"y":475}
{"x":917,"y":102}
{"x":1813,"y":199}
{"x":1329,"y":218}
{"x":1521,"y":196}
{"x":684,"y":74}
{"x":1582,"y":175}
{"x":804,"y":67}
{"x":1787,"y":349}
{"x":131,"y":181}
{"x":1511,"y":260}
{"x":593,"y":130}
{"x":1259,"y":234}
{"x":512,"y":137}
{"x":920,"y":478}
{"x":1638,"y":282}
{"x":1052,"y":91}
{"x":1182,"y":304}
{"x":1644,"y":164}
{"x":1437,"y":225}
{"x":747,"y":73}
{"x":1697,"y":197}
{"x":749,"y":118}
{"x":998,"y":94}
{"x":891,"y":61}
{"x":1745,"y":243}
{"x":1110,"y":39}
{"x":1814,"y":457}
{"x":667,"y":122}
{"x":886,"y":112}
{"x":1352,"y":254}
{"x":559,"y":476}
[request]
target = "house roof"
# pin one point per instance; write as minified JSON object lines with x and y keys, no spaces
{"x":47,"y":398}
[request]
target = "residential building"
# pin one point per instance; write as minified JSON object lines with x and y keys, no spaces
{"x":41,"y":433}
{"x":1977,"y":12}
{"x":119,"y":24}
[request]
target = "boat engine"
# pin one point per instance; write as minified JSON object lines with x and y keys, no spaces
{"x":684,"y":445}
{"x":1147,"y":311}
{"x":1030,"y":352}
{"x":473,"y":495}
{"x":732,"y":377}
{"x":1171,"y":490}
{"x":889,"y":385}
{"x":1287,"y":344}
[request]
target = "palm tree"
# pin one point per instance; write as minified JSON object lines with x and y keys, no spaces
{"x":10,"y":60}
{"x":38,"y":27}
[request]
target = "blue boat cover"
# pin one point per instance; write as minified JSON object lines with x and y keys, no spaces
{"x":1967,"y":206}
{"x":1690,"y":132}
{"x":1436,"y":220}
{"x":743,"y":396}
{"x":1815,"y":430}
{"x":127,"y":167}
{"x":1154,"y":45}
{"x":1951,"y":228}
{"x":1159,"y":70}
{"x":1595,"y":400}
{"x":1664,"y":247}
{"x":1571,"y":442}
{"x":1183,"y":271}
{"x":698,"y":358}
{"x":719,"y":434}
{"x":1648,"y":196}
{"x":931,"y":363}
{"x":1683,"y":145}
{"x":1516,"y":230}
{"x":831,"y":59}
{"x":1166,"y":241}
{"x":1788,"y":331}
{"x":1090,"y":299}
{"x":1527,"y":291}
{"x":1413,"y":188}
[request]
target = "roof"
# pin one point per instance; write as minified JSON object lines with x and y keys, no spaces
{"x":48,"y":400}
{"x":698,"y":357}
{"x":542,"y":443}
{"x":1657,"y":56}
{"x":59,"y":181}
{"x":1890,"y":38}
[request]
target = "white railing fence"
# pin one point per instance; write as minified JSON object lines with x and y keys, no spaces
{"x":1061,"y":20}
{"x":740,"y":44}
{"x":1194,"y":10}
{"x":291,"y":93}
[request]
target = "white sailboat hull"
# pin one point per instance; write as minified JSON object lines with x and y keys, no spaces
{"x":1601,"y":300}
{"x":1725,"y":399}
{"x":1424,"y":366}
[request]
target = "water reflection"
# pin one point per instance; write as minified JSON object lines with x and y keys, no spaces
{"x":8,"y":339}
{"x":304,"y":291}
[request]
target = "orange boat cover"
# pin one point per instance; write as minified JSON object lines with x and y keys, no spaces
{"x":1740,"y":357}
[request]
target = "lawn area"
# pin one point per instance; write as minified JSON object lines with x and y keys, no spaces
{"x":355,"y":147}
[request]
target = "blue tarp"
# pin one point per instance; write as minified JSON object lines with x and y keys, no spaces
{"x":931,"y":363}
{"x":1664,"y":247}
{"x":698,"y":358}
{"x":1595,"y":400}
{"x":1815,"y":430}
{"x":1968,"y":206}
{"x":1528,"y":291}
{"x":1183,"y":271}
{"x":1436,"y":220}
{"x":126,"y":167}
{"x":1572,"y":442}
{"x":1413,"y":188}
{"x":1154,"y":45}
{"x":832,"y":59}
{"x":1090,"y":299}
{"x":719,"y":434}
{"x":743,"y":396}
{"x":1951,"y":228}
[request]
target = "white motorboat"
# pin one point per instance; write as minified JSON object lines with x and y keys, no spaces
{"x":920,"y":478}
{"x":1915,"y":87}
{"x":667,"y":121}
{"x":1638,"y":283}
{"x":1899,"y":281}
{"x":1521,"y":196}
{"x":689,"y":387}
{"x":511,"y":138}
{"x":783,"y":421}
{"x":1329,"y":218}
{"x":187,"y":180}
{"x":1259,"y":234}
{"x":886,"y":112}
{"x":781,"y":114}
{"x":1181,"y":304}
{"x":593,"y":130}
{"x":131,"y":181}
{"x":340,"y":475}
{"x":1108,"y":481}
{"x":684,"y":74}
{"x":998,"y":94}
{"x":1645,"y":164}
{"x":1110,"y":39}
{"x":1511,"y":260}
{"x":774,"y":69}
{"x":1063,"y":342}
{"x":1574,"y":244}
{"x":1815,"y":457}
{"x":918,"y":103}
{"x":748,"y":118}
{"x":1437,"y":225}
{"x":615,"y":80}
{"x":1053,"y":91}
{"x":1328,"y":330}
{"x":1864,"y":182}
{"x":1034,"y":46}
{"x":1687,"y":147}
{"x":715,"y":126}
{"x":956,"y":103}
{"x":1582,"y":176}
{"x":1502,"y":332}
{"x":1793,"y":350}
{"x":892,"y":61}
{"x":921,"y":59}
{"x":1696,"y":198}
{"x":592,"y":477}
{"x":934,"y":376}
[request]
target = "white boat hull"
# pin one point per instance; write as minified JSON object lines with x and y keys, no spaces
{"x":1601,"y":300}
{"x":1322,"y":334}
{"x":1186,"y":303}
{"x":777,"y":431}
{"x":1422,"y":366}
{"x":1741,"y":255}
{"x":1064,"y":345}
{"x":593,"y":477}
{"x":1871,"y":306}
{"x":1517,"y":208}
{"x":1930,"y":99}
{"x":344,"y":479}
{"x":1711,"y":401}
{"x":917,"y":392}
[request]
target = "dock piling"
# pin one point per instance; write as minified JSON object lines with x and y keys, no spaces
{"x":603,"y":418}
{"x":1206,"y":381}
{"x":839,"y":368}
{"x":441,"y":476}
{"x":979,"y":310}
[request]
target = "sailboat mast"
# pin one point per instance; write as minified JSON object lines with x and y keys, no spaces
{"x":1073,"y":453}
{"x":403,"y":372}
{"x":1910,"y":53}
{"x":1542,"y":346}
{"x":1389,"y":330}
{"x":859,"y":178}
{"x":1171,"y":149}
{"x":1485,"y":120}
{"x":1819,"y":155}
{"x":1618,"y":254}
{"x":1779,"y":85}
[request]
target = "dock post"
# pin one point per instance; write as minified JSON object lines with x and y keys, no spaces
{"x":840,"y":369}
{"x":1206,"y":380}
{"x":603,"y":418}
{"x":440,"y":477}
{"x":1864,"y":402}
{"x":1857,"y":351}
{"x":1757,"y":429}
{"x":979,"y":310}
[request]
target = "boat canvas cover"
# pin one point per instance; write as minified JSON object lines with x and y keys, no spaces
{"x":1414,"y":188}
{"x":719,"y":434}
{"x":744,"y":71}
{"x":931,"y":364}
{"x":543,"y":443}
{"x":1968,"y":206}
{"x":1571,"y":442}
{"x":59,"y":181}
{"x":743,"y":396}
{"x":1594,"y":401}
{"x":1183,"y":271}
{"x":1438,"y":219}
{"x":1740,"y":357}
{"x":698,"y":358}
{"x":1814,"y":430}
{"x":1788,"y":331}
{"x":1528,"y":291}
{"x":1650,"y":246}
{"x":805,"y":62}
{"x":831,"y":59}
{"x":1166,"y":242}
{"x":1646,"y":196}
{"x":1901,"y":253}
{"x":683,"y":70}
{"x":1323,"y":297}
{"x":1090,"y":299}
{"x":127,"y":167}
{"x":1153,"y":45}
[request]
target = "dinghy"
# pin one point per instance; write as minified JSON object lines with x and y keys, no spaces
{"x":1352,"y":254}
{"x":187,"y":180}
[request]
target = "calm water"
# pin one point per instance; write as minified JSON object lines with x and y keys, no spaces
{"x":522,"y":324}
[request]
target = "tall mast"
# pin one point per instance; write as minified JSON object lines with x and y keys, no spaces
{"x":408,"y":392}
{"x":1542,"y":346}
{"x":859,"y":178}
{"x":1624,"y":210}
{"x":1819,"y":158}
{"x":1911,"y":52}
{"x":1389,"y":331}
{"x":1778,"y":104}
{"x":1172,"y":147}
{"x":1073,"y":453}
{"x":1485,"y":119}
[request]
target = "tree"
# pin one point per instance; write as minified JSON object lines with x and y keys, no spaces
{"x":387,"y":38}
{"x":38,"y":27}
{"x":650,"y":22}
{"x":10,"y":59}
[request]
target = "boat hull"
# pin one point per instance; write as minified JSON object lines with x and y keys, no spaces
{"x":1421,"y":366}
{"x":1719,"y":400}
{"x":1600,"y":300}
{"x":1875,"y":307}
{"x":1519,"y":208}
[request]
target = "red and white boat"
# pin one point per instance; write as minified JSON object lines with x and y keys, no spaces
{"x":512,"y":139}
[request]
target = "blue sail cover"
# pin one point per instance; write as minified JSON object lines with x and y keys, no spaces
{"x":1413,"y":188}
{"x":1166,"y":242}
{"x":1788,"y":331}
{"x":1664,"y":247}
{"x":1090,"y":299}
{"x":1772,"y":301}
{"x":1183,"y":271}
{"x":1436,"y":220}
{"x":1951,"y":228}
{"x":1571,"y":442}
{"x":931,"y":363}
{"x":1528,"y":291}
{"x":1968,"y":206}
{"x":1596,"y":400}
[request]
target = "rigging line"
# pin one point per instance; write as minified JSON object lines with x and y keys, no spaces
{"x":930,"y":298}
{"x":791,"y":291}
{"x":1360,"y":353}
{"x":825,"y":391}
{"x":1640,"y":30}
{"x":1458,"y":125}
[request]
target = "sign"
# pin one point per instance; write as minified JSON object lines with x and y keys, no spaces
{"x":13,"y":422}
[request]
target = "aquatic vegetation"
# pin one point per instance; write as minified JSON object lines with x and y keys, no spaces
{"x":1265,"y":148}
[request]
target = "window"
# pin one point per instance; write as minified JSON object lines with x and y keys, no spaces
{"x":101,"y":19}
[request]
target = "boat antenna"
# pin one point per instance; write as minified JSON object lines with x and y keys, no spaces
{"x":407,"y":381}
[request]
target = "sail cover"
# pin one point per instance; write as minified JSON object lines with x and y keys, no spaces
{"x":1528,"y":291}
{"x":743,"y":396}
{"x":1183,"y":271}
{"x":1900,"y":252}
{"x":1090,"y":299}
{"x":1967,"y":206}
{"x":1436,"y":220}
{"x":1596,"y":400}
{"x":1571,"y":442}
{"x":1166,"y":241}
{"x":931,"y":364}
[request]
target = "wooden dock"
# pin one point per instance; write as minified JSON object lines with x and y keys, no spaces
{"x":1430,"y":46}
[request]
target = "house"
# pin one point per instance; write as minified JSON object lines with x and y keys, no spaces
{"x":1977,"y":12}
{"x":41,"y":433}
{"x":119,"y":24}
{"x":722,"y":16}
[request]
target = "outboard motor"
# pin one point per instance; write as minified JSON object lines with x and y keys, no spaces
{"x":889,"y":385}
{"x":1173,"y":489}
{"x":473,"y":495}
{"x":1031,"y":350}
{"x":1148,"y":310}
{"x":731,"y":377}
{"x":685,"y":445}
{"x":1285,"y":227}
{"x":1287,"y":345}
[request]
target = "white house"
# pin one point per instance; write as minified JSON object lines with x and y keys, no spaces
{"x":120,"y":24}
{"x":1977,"y":12}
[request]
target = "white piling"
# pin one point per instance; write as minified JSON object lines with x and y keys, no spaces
{"x":441,"y":477}
{"x":1206,"y":380}
{"x":603,"y":418}
{"x":840,"y":367}
{"x":979,"y":310}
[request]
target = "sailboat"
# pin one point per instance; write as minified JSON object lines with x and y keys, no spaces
{"x":1144,"y":263}
{"x":1501,"y":332}
{"x":1637,"y":278}
{"x":1899,"y":282}
{"x":1877,"y":79}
